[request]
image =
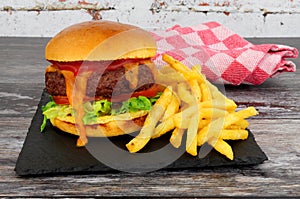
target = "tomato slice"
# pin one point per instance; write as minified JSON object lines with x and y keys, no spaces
{"x":151,"y":92}
{"x":63,"y":100}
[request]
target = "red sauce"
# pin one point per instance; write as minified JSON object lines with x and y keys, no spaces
{"x":78,"y":67}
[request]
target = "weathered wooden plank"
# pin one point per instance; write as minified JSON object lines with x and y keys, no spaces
{"x":273,"y":100}
{"x":19,"y":100}
{"x":281,"y":170}
{"x":22,"y":60}
{"x":215,"y":182}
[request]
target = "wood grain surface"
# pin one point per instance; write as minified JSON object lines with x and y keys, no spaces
{"x":276,"y":130}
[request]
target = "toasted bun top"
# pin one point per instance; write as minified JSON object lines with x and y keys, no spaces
{"x":100,"y":40}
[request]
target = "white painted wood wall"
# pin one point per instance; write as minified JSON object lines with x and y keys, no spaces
{"x":249,"y":18}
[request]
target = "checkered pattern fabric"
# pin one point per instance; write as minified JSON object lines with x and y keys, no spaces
{"x":225,"y":57}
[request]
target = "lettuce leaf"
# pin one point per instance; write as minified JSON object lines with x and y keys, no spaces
{"x":96,"y":109}
{"x":52,"y":110}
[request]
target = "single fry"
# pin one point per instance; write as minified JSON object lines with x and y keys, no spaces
{"x":212,"y":113}
{"x":242,"y":124}
{"x":177,"y":65}
{"x":228,"y":104}
{"x":227,"y":134}
{"x":191,"y":136}
{"x":222,"y":147}
{"x":176,"y":137}
{"x":180,"y":67}
{"x":200,"y":77}
{"x":169,"y":78}
{"x":184,"y":93}
{"x":203,"y":122}
{"x":151,"y":120}
{"x":196,"y":91}
{"x":191,"y":140}
{"x":235,"y":117}
{"x":172,"y":108}
{"x":202,"y":136}
{"x":137,"y":144}
{"x":215,"y":92}
{"x":163,"y":127}
{"x":206,"y":95}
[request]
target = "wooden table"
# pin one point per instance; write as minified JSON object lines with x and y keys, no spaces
{"x":276,"y":129}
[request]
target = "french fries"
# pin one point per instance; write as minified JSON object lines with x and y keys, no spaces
{"x":176,"y":137}
{"x":191,"y":105}
{"x":153,"y":117}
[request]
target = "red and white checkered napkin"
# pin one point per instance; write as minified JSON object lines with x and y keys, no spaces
{"x":225,"y":57}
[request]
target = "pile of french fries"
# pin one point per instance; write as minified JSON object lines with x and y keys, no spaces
{"x":190,"y":104}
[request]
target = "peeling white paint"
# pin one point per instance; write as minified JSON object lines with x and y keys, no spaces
{"x":249,"y":18}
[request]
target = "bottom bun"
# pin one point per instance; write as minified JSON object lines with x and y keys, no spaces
{"x":109,"y":129}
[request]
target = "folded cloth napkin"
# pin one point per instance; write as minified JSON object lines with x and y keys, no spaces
{"x":225,"y":57}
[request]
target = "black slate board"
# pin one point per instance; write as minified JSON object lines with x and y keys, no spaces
{"x":54,"y":152}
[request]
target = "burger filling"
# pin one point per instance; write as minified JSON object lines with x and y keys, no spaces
{"x":103,"y":85}
{"x":126,"y":89}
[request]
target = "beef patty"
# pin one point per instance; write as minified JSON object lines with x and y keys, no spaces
{"x":102,"y":85}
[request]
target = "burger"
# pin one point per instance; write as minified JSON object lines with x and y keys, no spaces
{"x":101,"y":79}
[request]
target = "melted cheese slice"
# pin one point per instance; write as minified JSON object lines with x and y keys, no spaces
{"x":76,"y":89}
{"x":50,"y":69}
{"x":108,"y":118}
{"x":132,"y":74}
